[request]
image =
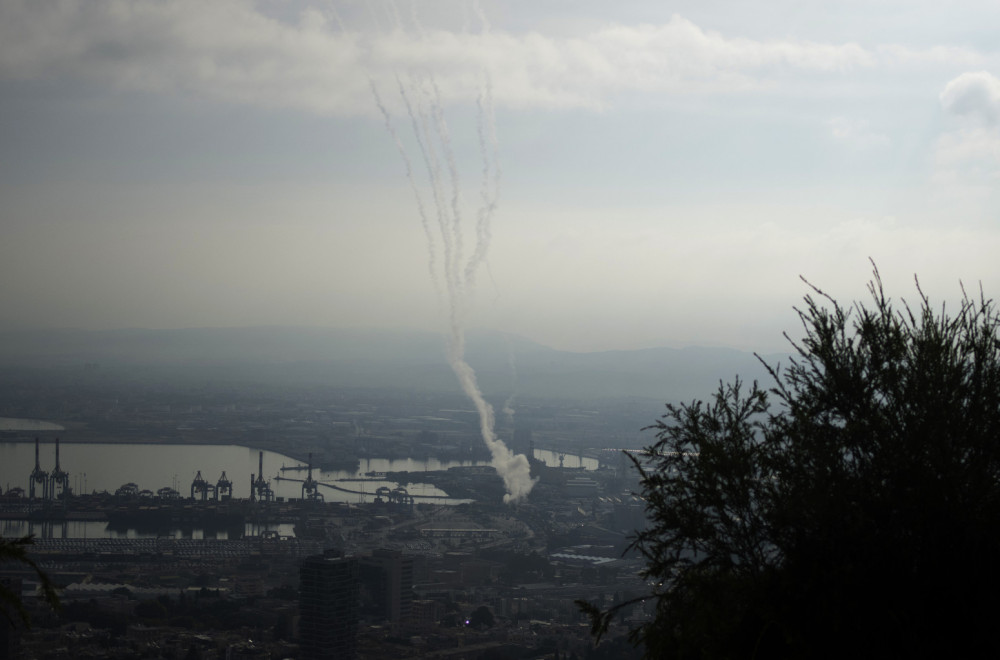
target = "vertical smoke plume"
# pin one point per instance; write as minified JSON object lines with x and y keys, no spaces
{"x":421,"y":98}
{"x":508,"y":405}
{"x":421,"y":211}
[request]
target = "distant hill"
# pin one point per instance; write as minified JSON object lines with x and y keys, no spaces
{"x":382,"y":358}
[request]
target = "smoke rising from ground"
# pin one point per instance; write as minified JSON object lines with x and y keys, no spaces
{"x":421,"y":97}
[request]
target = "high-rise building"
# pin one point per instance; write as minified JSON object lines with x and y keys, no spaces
{"x":388,"y":579}
{"x":328,"y":607}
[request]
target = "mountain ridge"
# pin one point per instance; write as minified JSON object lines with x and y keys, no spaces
{"x":406,"y":359}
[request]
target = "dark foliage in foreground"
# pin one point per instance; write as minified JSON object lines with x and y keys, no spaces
{"x":851,"y":510}
{"x":15,"y":551}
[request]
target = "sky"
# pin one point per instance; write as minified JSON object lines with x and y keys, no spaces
{"x":589,"y":175}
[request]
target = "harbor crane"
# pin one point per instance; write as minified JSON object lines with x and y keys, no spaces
{"x":58,"y":479}
{"x":310,"y":487}
{"x":38,"y":477}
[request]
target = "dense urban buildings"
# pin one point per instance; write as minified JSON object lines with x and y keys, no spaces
{"x":387,"y":576}
{"x":187,"y":571}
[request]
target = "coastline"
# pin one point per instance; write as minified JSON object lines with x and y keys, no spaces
{"x":81,"y":435}
{"x":23,"y":424}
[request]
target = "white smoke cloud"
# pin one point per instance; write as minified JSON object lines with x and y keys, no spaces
{"x":514,"y":469}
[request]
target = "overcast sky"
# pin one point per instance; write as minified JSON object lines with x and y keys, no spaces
{"x":663,"y":172}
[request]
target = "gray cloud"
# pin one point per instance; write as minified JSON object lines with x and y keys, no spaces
{"x":234,"y":52}
{"x":975,"y":95}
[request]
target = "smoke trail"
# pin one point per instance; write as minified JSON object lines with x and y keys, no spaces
{"x":481,"y":15}
{"x":431,"y":138}
{"x":418,"y":120}
{"x":513,"y":468}
{"x":416,"y":20}
{"x":393,"y":11}
{"x":508,"y":405}
{"x":332,"y":10}
{"x":421,"y":98}
{"x":421,"y":211}
{"x":488,"y":196}
{"x":486,"y":129}
{"x":449,"y":156}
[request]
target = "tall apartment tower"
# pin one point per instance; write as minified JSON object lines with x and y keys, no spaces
{"x":388,"y":578}
{"x":328,"y":607}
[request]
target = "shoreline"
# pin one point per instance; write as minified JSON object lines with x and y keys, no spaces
{"x":14,"y":424}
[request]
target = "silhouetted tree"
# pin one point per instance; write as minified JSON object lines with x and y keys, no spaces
{"x":851,"y":510}
{"x":15,"y":551}
{"x":481,"y":617}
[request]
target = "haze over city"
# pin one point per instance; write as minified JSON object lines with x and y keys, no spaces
{"x":392,"y":329}
{"x":666,"y":170}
